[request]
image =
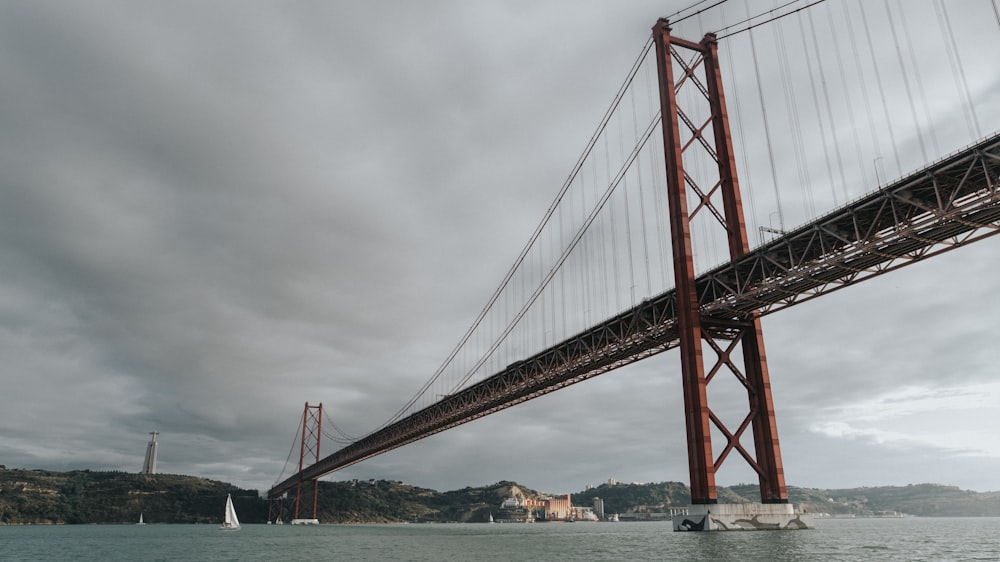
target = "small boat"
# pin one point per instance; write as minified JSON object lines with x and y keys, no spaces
{"x":141,"y":522}
{"x":491,"y":517}
{"x":230,"y":522}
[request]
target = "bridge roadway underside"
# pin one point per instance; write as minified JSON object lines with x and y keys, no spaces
{"x":948,"y":204}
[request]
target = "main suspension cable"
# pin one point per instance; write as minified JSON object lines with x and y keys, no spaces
{"x":778,"y":17}
{"x":281,"y":475}
{"x":720,"y":2}
{"x":534,"y":237}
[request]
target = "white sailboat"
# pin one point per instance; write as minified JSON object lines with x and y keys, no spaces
{"x":230,"y":522}
{"x":140,"y":519}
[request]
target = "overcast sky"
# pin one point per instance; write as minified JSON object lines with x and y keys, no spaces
{"x":212,"y":213}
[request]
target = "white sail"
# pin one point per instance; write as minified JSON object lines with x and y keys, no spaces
{"x":230,"y":521}
{"x":140,"y":520}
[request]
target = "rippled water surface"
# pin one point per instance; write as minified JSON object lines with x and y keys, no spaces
{"x":836,"y":539}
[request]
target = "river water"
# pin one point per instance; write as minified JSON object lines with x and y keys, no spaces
{"x":905,"y":539}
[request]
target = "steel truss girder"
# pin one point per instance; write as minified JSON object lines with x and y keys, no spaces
{"x":950,"y":203}
{"x":631,"y":336}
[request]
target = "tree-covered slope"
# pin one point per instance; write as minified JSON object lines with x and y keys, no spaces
{"x":45,"y":497}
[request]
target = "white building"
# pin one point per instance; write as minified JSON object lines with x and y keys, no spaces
{"x":599,"y":508}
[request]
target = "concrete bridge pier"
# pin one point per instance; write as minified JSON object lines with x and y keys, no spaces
{"x":743,"y":517}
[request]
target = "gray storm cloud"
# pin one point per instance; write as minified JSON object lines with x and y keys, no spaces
{"x":211,"y":214}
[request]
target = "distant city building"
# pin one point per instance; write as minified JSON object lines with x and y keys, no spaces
{"x":149,"y":465}
{"x":511,"y":503}
{"x":612,"y":482}
{"x":599,"y":507}
{"x":559,"y":508}
{"x":583,"y":514}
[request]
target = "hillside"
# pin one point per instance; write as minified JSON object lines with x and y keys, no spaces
{"x":915,"y":499}
{"x":44,"y":497}
{"x":383,"y":501}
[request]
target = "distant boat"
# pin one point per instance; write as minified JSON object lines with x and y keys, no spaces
{"x":230,"y":522}
{"x":491,"y":517}
{"x":140,"y":520}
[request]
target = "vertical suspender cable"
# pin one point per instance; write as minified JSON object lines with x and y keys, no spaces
{"x":928,"y":116}
{"x":906,"y":83}
{"x":961,"y":69}
{"x":628,"y":221}
{"x":792,"y":108}
{"x":601,"y":295}
{"x":585,"y":268}
{"x":767,"y":130}
{"x":746,"y":178}
{"x":878,"y":80}
{"x":642,"y":198}
{"x":819,"y":115}
{"x":562,"y":280}
{"x":542,"y":327}
{"x":662,"y":230}
{"x":877,"y":152}
{"x":614,"y":232}
{"x":945,"y":37}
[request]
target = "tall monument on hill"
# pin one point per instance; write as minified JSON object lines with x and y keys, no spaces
{"x":149,"y":465}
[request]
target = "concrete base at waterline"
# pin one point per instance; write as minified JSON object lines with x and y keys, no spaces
{"x":742,"y":517}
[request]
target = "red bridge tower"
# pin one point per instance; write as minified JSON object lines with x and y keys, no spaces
{"x":737,"y":344}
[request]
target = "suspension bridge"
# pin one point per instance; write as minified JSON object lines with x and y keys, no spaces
{"x":664,"y":234}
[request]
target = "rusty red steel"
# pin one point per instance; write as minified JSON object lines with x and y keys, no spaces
{"x":692,"y":326}
{"x":312,"y":430}
{"x":948,"y":204}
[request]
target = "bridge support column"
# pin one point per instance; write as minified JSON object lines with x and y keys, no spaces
{"x":742,"y":517}
{"x":276,"y":510}
{"x":306,"y":504}
{"x":712,"y":142}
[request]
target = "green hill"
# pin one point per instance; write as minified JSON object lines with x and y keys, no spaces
{"x":45,"y":497}
{"x":383,"y":501}
{"x":656,"y":498}
{"x":928,"y":500}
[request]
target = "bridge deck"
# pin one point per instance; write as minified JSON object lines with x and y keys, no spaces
{"x":948,"y":204}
